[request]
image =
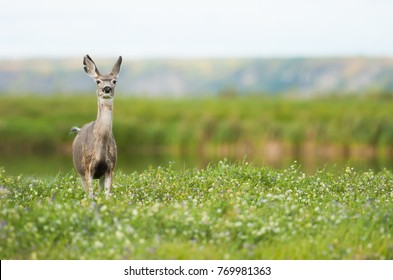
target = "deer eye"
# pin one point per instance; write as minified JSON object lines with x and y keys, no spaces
{"x":114,"y":82}
{"x":98,"y":82}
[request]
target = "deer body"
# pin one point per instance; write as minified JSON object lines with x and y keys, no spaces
{"x":94,"y":148}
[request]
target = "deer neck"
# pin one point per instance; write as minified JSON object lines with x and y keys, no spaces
{"x":104,"y":117}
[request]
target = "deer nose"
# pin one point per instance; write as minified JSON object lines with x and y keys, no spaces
{"x":107,"y":89}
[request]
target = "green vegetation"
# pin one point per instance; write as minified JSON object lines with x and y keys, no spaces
{"x":220,"y":126}
{"x":225,"y":211}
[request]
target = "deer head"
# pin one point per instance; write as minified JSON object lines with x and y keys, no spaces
{"x":105,"y":83}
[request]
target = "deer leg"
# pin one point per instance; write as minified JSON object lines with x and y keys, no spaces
{"x":108,"y":183}
{"x":89,"y":184}
{"x":101,"y":183}
{"x":84,"y":183}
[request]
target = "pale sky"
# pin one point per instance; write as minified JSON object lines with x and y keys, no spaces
{"x":198,"y":28}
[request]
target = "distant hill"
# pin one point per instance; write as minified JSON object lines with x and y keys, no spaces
{"x":184,"y":77}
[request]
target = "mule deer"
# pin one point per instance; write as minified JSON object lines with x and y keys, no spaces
{"x":94,"y":148}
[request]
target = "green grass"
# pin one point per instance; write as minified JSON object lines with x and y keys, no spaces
{"x":225,"y":211}
{"x":31,"y":124}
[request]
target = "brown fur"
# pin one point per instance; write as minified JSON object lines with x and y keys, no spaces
{"x":94,"y":148}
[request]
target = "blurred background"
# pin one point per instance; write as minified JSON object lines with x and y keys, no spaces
{"x":269,"y":82}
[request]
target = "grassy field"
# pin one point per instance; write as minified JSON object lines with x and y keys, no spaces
{"x":31,"y":124}
{"x":225,"y":211}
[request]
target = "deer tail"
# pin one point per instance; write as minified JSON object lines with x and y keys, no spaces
{"x":74,"y":129}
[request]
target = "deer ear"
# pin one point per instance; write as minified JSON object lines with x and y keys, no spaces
{"x":116,"y":67}
{"x":90,"y":67}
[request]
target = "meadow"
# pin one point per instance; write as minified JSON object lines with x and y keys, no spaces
{"x":224,"y":211}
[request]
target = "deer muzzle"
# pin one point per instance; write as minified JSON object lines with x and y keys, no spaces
{"x":107,"y":89}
